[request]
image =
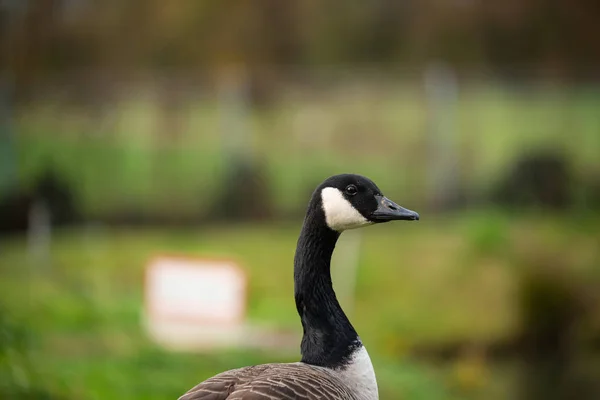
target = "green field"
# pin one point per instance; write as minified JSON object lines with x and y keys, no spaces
{"x":71,"y":325}
{"x":129,"y":158}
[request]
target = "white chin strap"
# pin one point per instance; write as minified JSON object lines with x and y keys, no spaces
{"x":339,"y":213}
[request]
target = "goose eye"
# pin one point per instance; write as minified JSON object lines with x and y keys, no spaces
{"x":351,"y":190}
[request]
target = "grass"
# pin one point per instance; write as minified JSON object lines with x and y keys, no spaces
{"x":129,"y":158}
{"x":428,"y":282}
{"x":70,"y":326}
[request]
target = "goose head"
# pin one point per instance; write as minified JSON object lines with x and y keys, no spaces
{"x":351,"y":201}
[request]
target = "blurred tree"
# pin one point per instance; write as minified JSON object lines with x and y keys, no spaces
{"x":551,"y":35}
{"x":59,"y":35}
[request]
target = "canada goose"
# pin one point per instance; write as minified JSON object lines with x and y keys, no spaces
{"x":335,"y":364}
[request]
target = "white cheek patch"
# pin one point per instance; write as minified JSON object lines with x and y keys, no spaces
{"x":339,"y":213}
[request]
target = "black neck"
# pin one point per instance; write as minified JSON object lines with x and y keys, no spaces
{"x":329,"y":339}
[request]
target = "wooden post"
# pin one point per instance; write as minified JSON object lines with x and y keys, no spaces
{"x":441,"y":89}
{"x":39,"y":234}
{"x":345,"y":268}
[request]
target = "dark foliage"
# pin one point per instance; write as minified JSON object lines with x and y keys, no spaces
{"x":49,"y":189}
{"x":542,"y":180}
{"x":245,"y":195}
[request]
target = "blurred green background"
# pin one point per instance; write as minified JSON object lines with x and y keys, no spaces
{"x":133,"y":128}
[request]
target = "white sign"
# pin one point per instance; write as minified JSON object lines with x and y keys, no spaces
{"x":195,"y":291}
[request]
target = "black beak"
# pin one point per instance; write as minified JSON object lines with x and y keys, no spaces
{"x":387,"y":210}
